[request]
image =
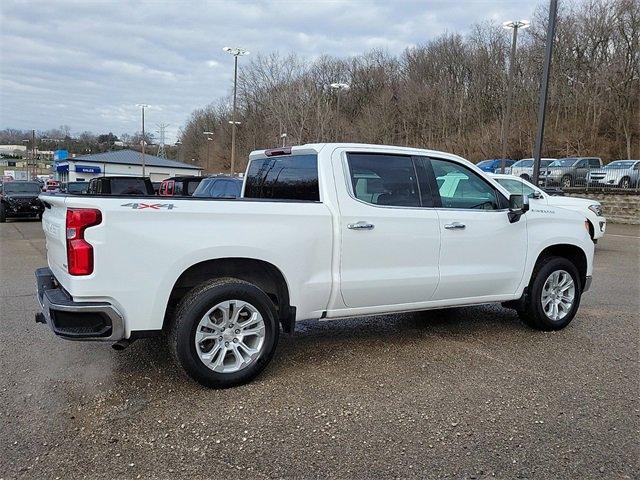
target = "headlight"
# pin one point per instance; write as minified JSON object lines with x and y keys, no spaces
{"x":596,"y":208}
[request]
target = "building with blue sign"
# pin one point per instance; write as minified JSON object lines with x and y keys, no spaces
{"x":120,"y":163}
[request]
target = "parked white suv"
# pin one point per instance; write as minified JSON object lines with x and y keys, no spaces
{"x":324,"y":231}
{"x":591,"y":209}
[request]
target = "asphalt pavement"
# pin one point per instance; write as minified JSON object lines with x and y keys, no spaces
{"x":461,"y":393}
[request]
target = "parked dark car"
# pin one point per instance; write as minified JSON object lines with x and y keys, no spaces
{"x":179,"y":186}
{"x":494,"y":165}
{"x":20,"y":199}
{"x":76,"y":188}
{"x":120,"y":186}
{"x":219,"y":187}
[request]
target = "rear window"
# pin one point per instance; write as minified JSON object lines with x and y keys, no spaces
{"x":291,"y":177}
{"x":19,"y":187}
{"x":128,"y":186}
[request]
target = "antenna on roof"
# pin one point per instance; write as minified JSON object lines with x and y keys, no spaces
{"x":161,"y":130}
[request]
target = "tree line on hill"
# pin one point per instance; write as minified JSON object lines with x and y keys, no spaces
{"x":82,"y":144}
{"x":447,"y":93}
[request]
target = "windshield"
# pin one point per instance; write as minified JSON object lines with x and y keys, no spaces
{"x":621,"y":164}
{"x":19,"y":187}
{"x":565,"y":162}
{"x":484,"y":163}
{"x":517,"y":186}
{"x":219,"y":188}
{"x":523,"y":163}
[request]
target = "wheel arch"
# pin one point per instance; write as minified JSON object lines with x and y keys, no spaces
{"x":261,"y":273}
{"x":573,"y":253}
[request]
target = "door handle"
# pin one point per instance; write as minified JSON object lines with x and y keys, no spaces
{"x":360,"y":226}
{"x":455,"y":226}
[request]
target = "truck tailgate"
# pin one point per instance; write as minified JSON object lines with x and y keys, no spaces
{"x":54,"y":226}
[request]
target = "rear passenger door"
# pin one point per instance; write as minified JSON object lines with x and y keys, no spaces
{"x":482,"y":254}
{"x":390,"y":237}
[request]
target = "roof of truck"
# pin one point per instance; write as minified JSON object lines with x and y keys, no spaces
{"x":317,"y":147}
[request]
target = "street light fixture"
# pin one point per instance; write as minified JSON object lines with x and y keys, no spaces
{"x":236,"y":52}
{"x":514,"y":25}
{"x":142,"y":107}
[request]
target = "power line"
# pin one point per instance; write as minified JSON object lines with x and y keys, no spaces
{"x":161,"y":131}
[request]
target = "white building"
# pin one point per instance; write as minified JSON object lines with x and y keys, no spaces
{"x":121,"y":163}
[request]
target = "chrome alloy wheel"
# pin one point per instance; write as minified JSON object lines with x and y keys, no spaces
{"x":558,"y":295}
{"x":230,"y":336}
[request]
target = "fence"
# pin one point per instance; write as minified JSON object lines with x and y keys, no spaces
{"x":625,"y":177}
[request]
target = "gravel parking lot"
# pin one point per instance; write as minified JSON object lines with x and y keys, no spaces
{"x":461,"y":393}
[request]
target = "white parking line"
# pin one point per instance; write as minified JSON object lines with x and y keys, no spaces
{"x":624,"y":236}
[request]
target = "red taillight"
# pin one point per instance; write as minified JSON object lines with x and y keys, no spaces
{"x":79,"y":251}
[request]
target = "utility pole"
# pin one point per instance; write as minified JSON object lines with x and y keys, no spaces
{"x":283,"y":136}
{"x":514,"y":25}
{"x":542,"y":107}
{"x":236,"y":52}
{"x":209,"y":139}
{"x":143,"y":141}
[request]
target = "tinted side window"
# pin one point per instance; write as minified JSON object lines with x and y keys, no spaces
{"x":459,"y":187}
{"x":292,"y":177}
{"x":582,"y":164}
{"x":133,"y":186}
{"x":594,"y":163}
{"x":191,"y":186}
{"x":384,"y":179}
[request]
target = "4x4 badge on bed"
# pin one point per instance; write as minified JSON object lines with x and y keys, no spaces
{"x":152,"y":206}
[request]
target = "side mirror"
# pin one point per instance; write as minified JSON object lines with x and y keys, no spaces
{"x":518,"y":206}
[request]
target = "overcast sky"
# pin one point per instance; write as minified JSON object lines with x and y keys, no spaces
{"x":87,"y":64}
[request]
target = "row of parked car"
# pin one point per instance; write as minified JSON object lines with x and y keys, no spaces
{"x":572,"y":171}
{"x":218,"y":186}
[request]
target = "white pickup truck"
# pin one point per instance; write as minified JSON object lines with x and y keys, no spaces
{"x":322,"y":231}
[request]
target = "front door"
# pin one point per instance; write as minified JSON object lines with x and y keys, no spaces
{"x":390,"y":239}
{"x":482,"y":254}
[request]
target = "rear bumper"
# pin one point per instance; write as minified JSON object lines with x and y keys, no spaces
{"x":99,"y":321}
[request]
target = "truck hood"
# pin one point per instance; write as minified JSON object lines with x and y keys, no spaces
{"x":571,"y":202}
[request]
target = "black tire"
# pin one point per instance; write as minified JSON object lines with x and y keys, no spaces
{"x":191,"y":310}
{"x":625,"y":183}
{"x":567,"y":181}
{"x":533,"y":314}
{"x":3,"y":213}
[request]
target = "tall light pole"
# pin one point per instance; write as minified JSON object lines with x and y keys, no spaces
{"x":143,"y":106}
{"x":178,"y":144}
{"x":544,"y":85}
{"x":26,"y":141}
{"x":514,"y":25}
{"x":209,"y":139}
{"x":236,"y":52}
{"x":339,"y":88}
